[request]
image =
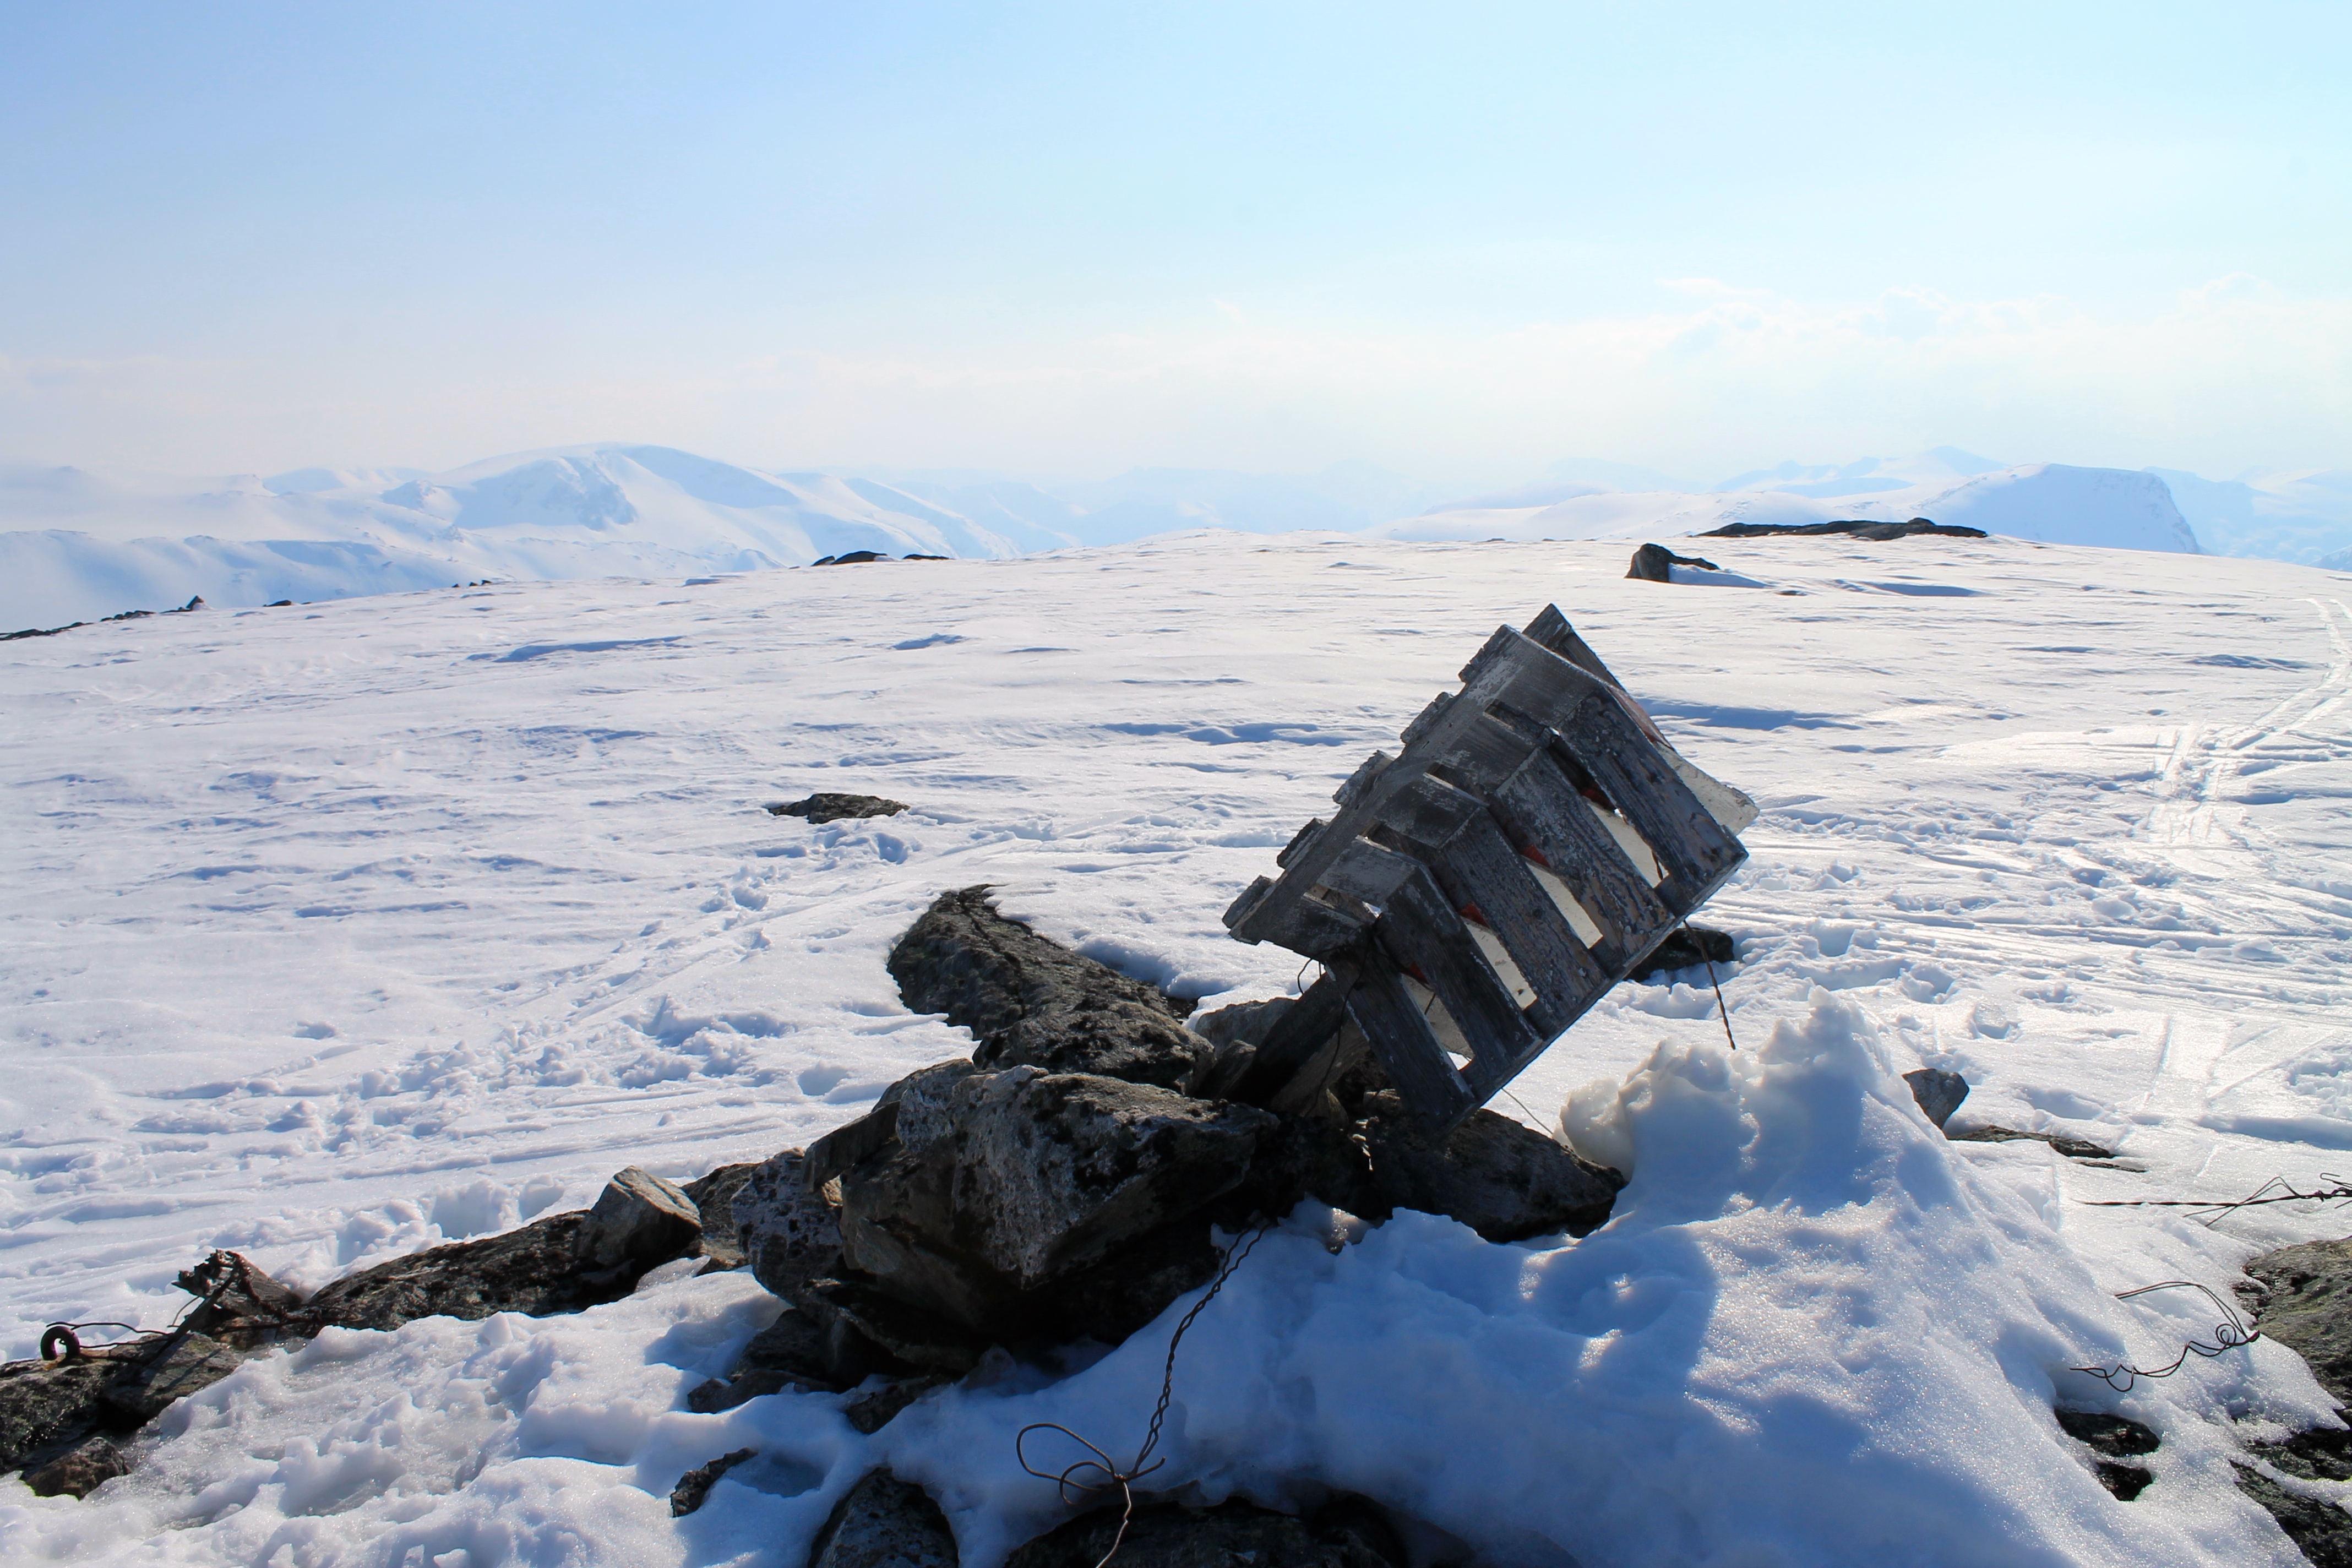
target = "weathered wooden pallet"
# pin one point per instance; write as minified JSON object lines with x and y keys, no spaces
{"x":1532,"y":841}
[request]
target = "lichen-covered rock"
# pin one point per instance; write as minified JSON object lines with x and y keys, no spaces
{"x":639,"y":1220}
{"x":79,"y":1470}
{"x":885,"y":1522}
{"x":827,"y":806}
{"x":714,"y":1199}
{"x":47,"y":1407}
{"x":789,"y":1234}
{"x":178,"y":1366}
{"x":1038,"y":1176}
{"x":2305,"y":1304}
{"x":1030,"y":1001}
{"x":1503,"y":1179}
{"x":534,"y":1270}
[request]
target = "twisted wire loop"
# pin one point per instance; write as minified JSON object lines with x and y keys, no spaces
{"x":1068,"y":1482}
{"x":2337,"y":1192}
{"x":2228,"y":1334}
{"x":63,"y":1341}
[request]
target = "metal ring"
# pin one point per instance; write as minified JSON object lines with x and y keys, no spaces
{"x":54,"y":1336}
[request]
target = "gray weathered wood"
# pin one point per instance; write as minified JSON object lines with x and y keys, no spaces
{"x":1692,"y":849}
{"x":1547,"y":815}
{"x":1302,"y":1030}
{"x":1480,"y":869}
{"x":1488,"y":778}
{"x":1408,"y":1049}
{"x":1365,"y":870}
{"x":1421,"y":932}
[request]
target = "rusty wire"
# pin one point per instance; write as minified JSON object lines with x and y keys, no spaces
{"x":1067,"y":1480}
{"x":2228,"y":1334}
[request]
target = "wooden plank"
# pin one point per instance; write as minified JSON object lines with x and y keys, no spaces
{"x":1692,"y":850}
{"x":1421,"y":930}
{"x":1432,"y":1091}
{"x":1300,"y":840}
{"x":1551,"y":631}
{"x":1486,"y":753}
{"x":1480,"y":869}
{"x":1365,"y":870}
{"x":1304,"y":1028}
{"x":1428,"y":811}
{"x":1312,"y":928}
{"x":1381,"y":777}
{"x":1544,"y":812}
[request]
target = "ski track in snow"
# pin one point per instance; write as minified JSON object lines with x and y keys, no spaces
{"x":336,"y":931}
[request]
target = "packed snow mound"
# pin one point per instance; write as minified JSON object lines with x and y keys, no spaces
{"x":2051,"y":503}
{"x":80,"y":545}
{"x":335,"y":933}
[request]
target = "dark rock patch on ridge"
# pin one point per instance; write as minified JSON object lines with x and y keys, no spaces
{"x":1030,"y":1001}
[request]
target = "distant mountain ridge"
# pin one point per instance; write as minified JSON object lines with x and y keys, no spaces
{"x":76,"y":544}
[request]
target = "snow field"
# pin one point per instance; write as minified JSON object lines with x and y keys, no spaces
{"x":339,"y":932}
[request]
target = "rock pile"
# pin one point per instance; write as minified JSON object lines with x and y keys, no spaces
{"x":1063,"y":1182}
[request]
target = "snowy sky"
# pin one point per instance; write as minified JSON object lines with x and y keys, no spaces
{"x":1463,"y":242}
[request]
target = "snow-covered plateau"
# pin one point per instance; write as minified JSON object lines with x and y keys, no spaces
{"x":80,"y":545}
{"x":337,"y":931}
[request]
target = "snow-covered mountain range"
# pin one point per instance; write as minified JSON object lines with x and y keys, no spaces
{"x":76,"y":544}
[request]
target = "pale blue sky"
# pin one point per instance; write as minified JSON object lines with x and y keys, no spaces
{"x":1462,"y":241}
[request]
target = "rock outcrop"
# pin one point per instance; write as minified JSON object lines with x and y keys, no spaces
{"x":1030,"y":1003}
{"x":885,"y":1522}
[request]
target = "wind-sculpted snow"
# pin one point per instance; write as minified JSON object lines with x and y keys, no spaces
{"x":334,"y":933}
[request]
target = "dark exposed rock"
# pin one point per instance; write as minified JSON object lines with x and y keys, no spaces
{"x":639,"y":1220}
{"x":2124,"y":1482}
{"x":2111,"y":1438}
{"x":694,"y":1487}
{"x":789,"y":1234}
{"x":1306,"y":1157}
{"x":868,"y":1329}
{"x":714,"y":1199}
{"x":849,"y":558}
{"x":2073,"y":1148}
{"x":1652,"y":564}
{"x":1235,"y":1033}
{"x":826,"y":806}
{"x":790,"y":1352}
{"x":885,"y":1522}
{"x":180,"y":1365}
{"x":2305,"y":1304}
{"x":869,"y":1412}
{"x":1940,"y":1093}
{"x":2302,"y":1299}
{"x":2320,"y":1529}
{"x":533,"y":1270}
{"x":1126,"y":1289}
{"x":1030,"y":1001}
{"x":1036,"y":1177}
{"x":1503,"y":1179}
{"x":1170,"y":1535}
{"x":47,"y":1407}
{"x":1688,"y":947}
{"x":79,"y":1470}
{"x":1850,"y":529}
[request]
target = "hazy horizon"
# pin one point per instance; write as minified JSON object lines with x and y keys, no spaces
{"x":1053,"y":240}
